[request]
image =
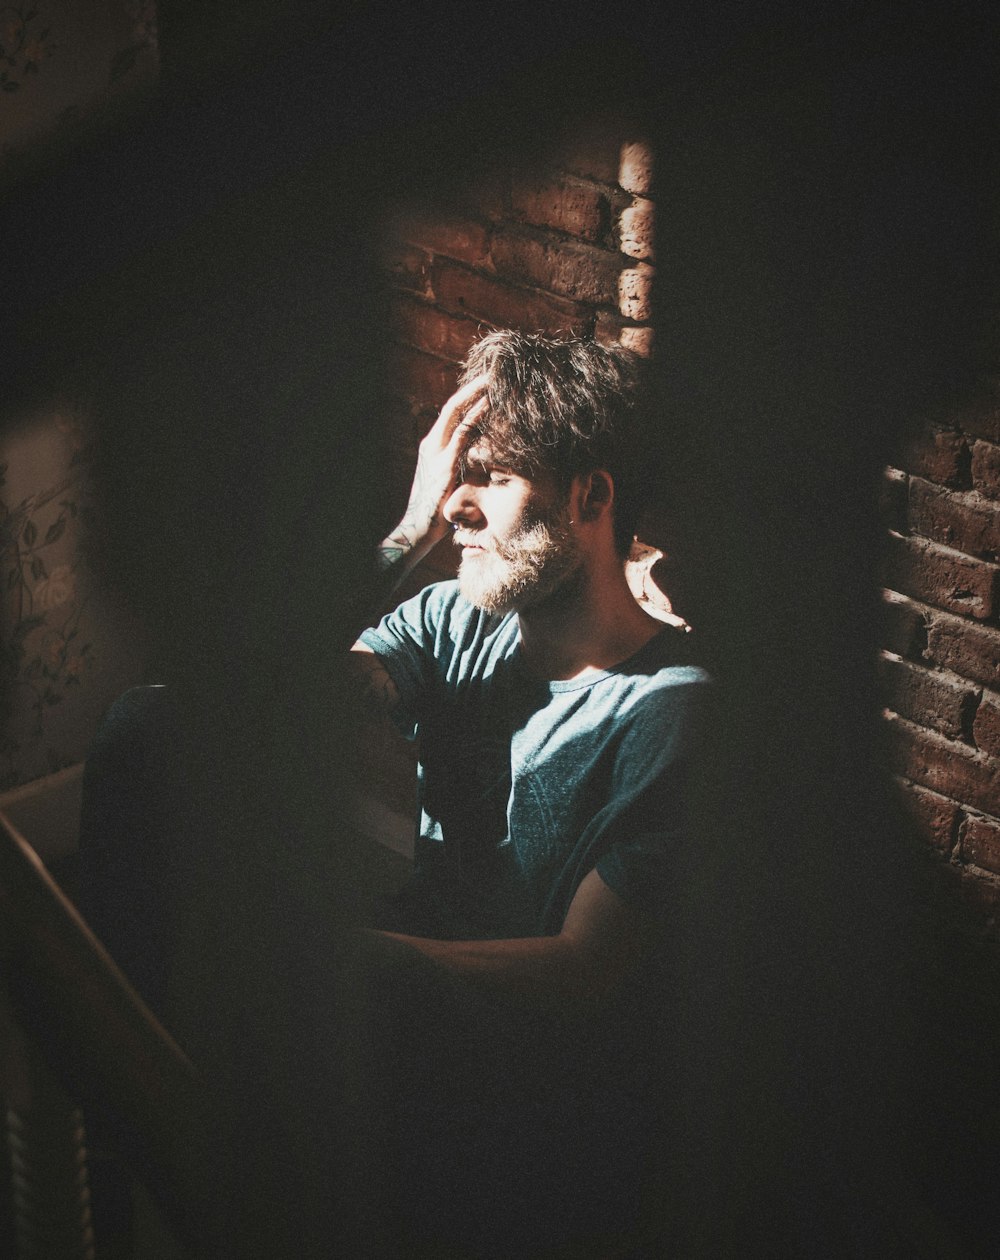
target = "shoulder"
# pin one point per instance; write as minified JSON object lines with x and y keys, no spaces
{"x":664,"y":696}
{"x":440,"y":622}
{"x":668,"y":663}
{"x":443,"y":610}
{"x":418,"y":617}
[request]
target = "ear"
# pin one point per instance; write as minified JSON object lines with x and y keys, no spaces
{"x":597,"y":494}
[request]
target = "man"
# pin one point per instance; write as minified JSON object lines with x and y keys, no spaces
{"x":557,"y":723}
{"x":513,"y":979}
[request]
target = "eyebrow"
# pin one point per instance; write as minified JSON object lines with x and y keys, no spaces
{"x":484,"y":459}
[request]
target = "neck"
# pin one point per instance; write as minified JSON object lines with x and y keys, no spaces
{"x":593,"y":623}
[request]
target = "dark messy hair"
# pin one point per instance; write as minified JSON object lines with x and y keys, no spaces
{"x":564,"y":408}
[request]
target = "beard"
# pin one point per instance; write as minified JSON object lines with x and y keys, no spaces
{"x":520,"y":570}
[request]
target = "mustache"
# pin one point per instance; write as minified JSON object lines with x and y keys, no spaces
{"x":529,"y":534}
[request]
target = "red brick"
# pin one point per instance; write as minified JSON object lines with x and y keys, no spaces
{"x":986,"y":468}
{"x":938,"y":454}
{"x":979,"y":843}
{"x":904,"y":625}
{"x":638,"y":339}
{"x":423,"y":380}
{"x":964,"y":520}
{"x":942,"y":577}
{"x":459,"y":238}
{"x":425,"y":327}
{"x":408,"y":267}
{"x":937,"y":699}
{"x":571,"y":206}
{"x":636,"y":229}
{"x":610,"y":329}
{"x":936,"y":816}
{"x":583,"y":272}
{"x":471,"y":293}
{"x":893,"y":498}
{"x":635,"y":171}
{"x":635,"y":293}
{"x":986,"y":726}
{"x":969,"y":649}
{"x":941,"y":764}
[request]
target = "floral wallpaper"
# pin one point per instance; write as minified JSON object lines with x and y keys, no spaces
{"x":27,"y":42}
{"x":45,"y":654}
{"x":63,"y":60}
{"x":66,"y":650}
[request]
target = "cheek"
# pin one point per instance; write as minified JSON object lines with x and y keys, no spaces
{"x":506,"y":514}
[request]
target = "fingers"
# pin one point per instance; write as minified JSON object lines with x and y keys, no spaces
{"x":452,"y":413}
{"x":460,"y":433}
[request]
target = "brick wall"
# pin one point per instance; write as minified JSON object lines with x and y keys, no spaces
{"x":941,"y":641}
{"x":560,"y":246}
{"x":567,"y":246}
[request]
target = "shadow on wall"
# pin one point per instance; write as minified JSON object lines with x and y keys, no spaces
{"x":66,"y":63}
{"x":68,"y":648}
{"x":804,"y":283}
{"x":815,"y":298}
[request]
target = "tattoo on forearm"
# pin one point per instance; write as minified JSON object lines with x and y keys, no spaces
{"x":392,"y":549}
{"x":423,"y":504}
{"x":422,"y":515}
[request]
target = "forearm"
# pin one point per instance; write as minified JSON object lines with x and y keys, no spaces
{"x":396,"y":556}
{"x":404,"y":547}
{"x":423,"y":524}
{"x":548,"y":971}
{"x":577,"y":969}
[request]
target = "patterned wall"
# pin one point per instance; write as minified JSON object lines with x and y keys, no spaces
{"x":66,"y":648}
{"x":62,"y":61}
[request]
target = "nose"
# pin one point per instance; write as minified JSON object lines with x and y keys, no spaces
{"x":463,"y":506}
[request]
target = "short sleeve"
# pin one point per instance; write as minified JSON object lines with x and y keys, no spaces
{"x":435,"y":639}
{"x":642,"y":849}
{"x":404,"y":641}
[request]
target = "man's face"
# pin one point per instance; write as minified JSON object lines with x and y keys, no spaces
{"x":518,"y":546}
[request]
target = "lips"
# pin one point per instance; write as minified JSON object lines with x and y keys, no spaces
{"x":468,"y":545}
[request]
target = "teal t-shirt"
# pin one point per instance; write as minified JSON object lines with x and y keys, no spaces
{"x":526,"y":785}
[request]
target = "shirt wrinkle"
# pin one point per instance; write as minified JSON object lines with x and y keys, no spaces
{"x":525,"y":785}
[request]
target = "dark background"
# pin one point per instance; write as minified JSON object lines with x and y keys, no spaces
{"x":827,"y":269}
